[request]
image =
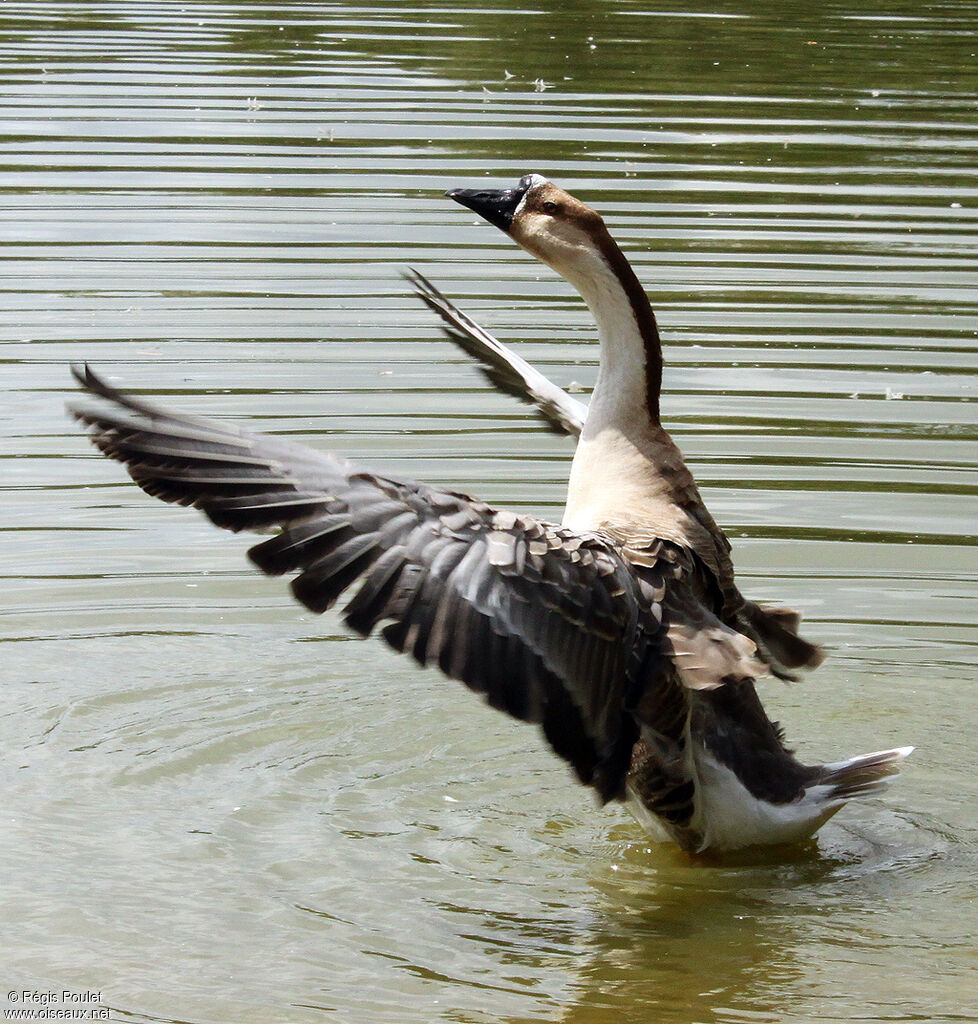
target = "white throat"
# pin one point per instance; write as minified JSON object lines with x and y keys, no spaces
{"x":621,"y":471}
{"x":621,"y":391}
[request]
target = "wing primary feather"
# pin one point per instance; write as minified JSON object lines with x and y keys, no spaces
{"x":366,"y":608}
{"x":321,"y":583}
{"x":299,"y":544}
{"x":256,"y":511}
{"x":501,"y":366}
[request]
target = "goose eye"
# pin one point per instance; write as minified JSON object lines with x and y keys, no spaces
{"x":549,"y":207}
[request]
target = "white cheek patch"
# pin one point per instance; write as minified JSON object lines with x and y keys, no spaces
{"x":536,"y":180}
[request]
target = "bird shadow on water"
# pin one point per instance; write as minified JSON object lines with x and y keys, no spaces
{"x":712,"y":940}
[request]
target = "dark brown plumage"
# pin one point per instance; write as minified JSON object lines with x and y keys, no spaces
{"x":551,"y":627}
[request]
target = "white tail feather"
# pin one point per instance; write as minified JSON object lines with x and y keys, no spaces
{"x":862,"y":776}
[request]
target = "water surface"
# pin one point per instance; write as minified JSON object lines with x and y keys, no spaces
{"x":219,"y":808}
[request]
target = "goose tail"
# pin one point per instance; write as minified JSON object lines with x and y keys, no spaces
{"x":730,"y":817}
{"x":861,"y":776}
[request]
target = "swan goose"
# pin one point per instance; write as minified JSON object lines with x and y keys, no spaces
{"x":620,"y":632}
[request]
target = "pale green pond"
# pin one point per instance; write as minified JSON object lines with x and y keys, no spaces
{"x":219,"y":809}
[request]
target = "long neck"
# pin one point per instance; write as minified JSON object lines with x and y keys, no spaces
{"x":630,"y":377}
{"x":626,"y":469}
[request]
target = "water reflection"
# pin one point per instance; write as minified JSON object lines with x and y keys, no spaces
{"x":687,"y":942}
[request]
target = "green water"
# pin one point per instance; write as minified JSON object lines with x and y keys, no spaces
{"x":218,"y":809}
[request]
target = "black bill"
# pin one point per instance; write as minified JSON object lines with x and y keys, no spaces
{"x":498,"y":205}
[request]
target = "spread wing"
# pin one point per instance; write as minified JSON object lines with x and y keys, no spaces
{"x":551,"y":626}
{"x":501,"y":365}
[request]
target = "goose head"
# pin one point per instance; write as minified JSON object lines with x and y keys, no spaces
{"x":572,"y":239}
{"x":549,"y":223}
